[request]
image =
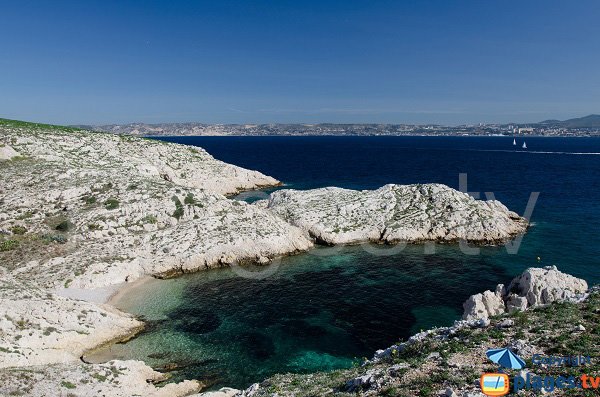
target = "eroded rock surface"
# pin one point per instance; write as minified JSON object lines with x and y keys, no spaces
{"x":534,"y":287}
{"x":82,"y":212}
{"x":393,"y":213}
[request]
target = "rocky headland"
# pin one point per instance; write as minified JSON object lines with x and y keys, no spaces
{"x":82,"y":214}
{"x":395,"y":213}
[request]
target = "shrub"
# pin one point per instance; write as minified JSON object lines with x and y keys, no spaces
{"x":150,"y":219}
{"x":111,"y":204}
{"x":63,"y":226}
{"x":189,"y":199}
{"x":8,"y":245}
{"x":89,"y":200}
{"x":68,"y":385}
{"x":19,"y":230}
{"x":178,"y":213}
{"x":54,"y":238}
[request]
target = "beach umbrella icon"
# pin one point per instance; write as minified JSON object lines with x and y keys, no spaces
{"x":505,"y":358}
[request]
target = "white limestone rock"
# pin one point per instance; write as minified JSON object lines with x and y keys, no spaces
{"x":534,"y":287}
{"x":222,"y":392}
{"x":545,"y":285}
{"x":516,"y":303}
{"x":113,"y":379}
{"x":483,"y":305}
{"x":7,"y":152}
{"x":99,"y":210}
{"x":395,"y":213}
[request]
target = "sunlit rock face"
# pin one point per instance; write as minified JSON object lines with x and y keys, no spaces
{"x":534,"y":287}
{"x":394,"y":213}
{"x":81,"y":212}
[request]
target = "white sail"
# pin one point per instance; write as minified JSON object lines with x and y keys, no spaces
{"x":514,"y":142}
{"x":524,"y":145}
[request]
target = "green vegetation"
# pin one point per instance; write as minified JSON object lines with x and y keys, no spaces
{"x":89,"y":200}
{"x":8,"y":245}
{"x":54,"y":238}
{"x":63,"y":226}
{"x":149,"y":219}
{"x":178,"y":213}
{"x":93,"y":226}
{"x":111,"y":204}
{"x":25,"y":124}
{"x":189,"y":199}
{"x":18,"y":230}
{"x":99,"y":377}
{"x":67,"y":384}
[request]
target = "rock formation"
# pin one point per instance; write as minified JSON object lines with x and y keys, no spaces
{"x":534,"y":287}
{"x":393,"y":213}
{"x":82,"y":213}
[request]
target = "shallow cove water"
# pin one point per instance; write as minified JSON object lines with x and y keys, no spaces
{"x":329,"y":307}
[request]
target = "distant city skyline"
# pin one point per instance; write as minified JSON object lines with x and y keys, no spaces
{"x":439,"y":62}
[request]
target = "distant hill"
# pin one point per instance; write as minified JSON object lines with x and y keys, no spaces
{"x":591,"y":121}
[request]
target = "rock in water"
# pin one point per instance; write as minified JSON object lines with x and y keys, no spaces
{"x":395,"y":213}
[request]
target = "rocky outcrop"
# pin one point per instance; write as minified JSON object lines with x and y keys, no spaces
{"x":534,"y":287}
{"x":81,"y":213}
{"x":485,"y":304}
{"x":7,"y":152}
{"x":223,"y":392}
{"x":115,"y":378}
{"x":395,"y":213}
{"x":541,"y":286}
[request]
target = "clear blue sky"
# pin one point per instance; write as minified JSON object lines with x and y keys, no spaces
{"x":299,"y":61}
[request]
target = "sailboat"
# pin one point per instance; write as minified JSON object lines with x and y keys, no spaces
{"x":514,"y":142}
{"x":524,"y":145}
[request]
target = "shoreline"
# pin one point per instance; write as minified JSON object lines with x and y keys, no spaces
{"x":125,"y":288}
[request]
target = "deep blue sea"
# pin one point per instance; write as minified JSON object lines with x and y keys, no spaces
{"x":325,"y":309}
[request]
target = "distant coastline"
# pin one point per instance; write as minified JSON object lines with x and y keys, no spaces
{"x":583,"y":126}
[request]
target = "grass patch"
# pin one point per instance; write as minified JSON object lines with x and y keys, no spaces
{"x":8,"y":245}
{"x":67,"y":385}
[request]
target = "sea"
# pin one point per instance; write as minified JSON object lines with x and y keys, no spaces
{"x":331,"y":307}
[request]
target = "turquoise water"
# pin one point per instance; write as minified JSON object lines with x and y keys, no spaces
{"x":330,"y":307}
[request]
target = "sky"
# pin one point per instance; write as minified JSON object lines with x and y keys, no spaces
{"x":347,"y":61}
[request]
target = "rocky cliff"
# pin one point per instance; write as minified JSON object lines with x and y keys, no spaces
{"x":82,"y":213}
